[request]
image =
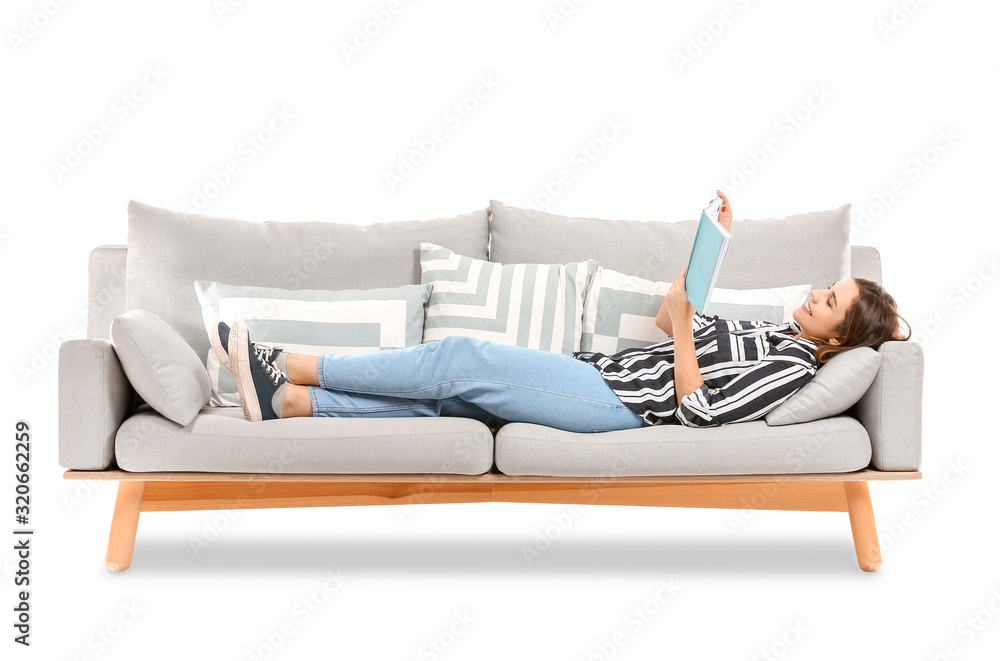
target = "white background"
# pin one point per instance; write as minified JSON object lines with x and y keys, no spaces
{"x":851,"y":95}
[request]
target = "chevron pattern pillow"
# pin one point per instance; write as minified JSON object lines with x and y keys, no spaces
{"x":539,"y":306}
{"x":311,"y":321}
{"x":620,"y":310}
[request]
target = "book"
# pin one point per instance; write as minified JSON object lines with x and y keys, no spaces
{"x":711,"y":243}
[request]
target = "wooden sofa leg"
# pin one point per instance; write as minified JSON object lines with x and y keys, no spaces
{"x":859,"y":509}
{"x":124,"y":524}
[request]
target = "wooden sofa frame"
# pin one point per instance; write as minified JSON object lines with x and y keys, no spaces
{"x":173,"y":491}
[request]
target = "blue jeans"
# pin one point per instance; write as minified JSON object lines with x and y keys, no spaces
{"x":466,"y":377}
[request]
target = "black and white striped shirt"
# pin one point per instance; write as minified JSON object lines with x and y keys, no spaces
{"x":748,"y":368}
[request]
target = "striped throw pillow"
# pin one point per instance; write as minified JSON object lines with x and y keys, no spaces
{"x":539,"y":306}
{"x":311,"y":321}
{"x":620,"y":310}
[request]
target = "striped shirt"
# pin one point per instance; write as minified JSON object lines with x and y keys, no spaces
{"x":748,"y":368}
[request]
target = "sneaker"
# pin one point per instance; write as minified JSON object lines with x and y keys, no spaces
{"x":258,"y":378}
{"x":219,"y":339}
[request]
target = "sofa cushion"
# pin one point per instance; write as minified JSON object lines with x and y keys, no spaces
{"x":811,"y":248}
{"x":221,"y":440}
{"x":312,"y":321}
{"x":838,"y":385}
{"x":832,"y":445}
{"x":539,"y":306}
{"x":168,"y":251}
{"x":620,"y":310}
{"x":161,"y":366}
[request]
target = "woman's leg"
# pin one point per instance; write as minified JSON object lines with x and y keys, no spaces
{"x":298,"y":402}
{"x":514,"y":384}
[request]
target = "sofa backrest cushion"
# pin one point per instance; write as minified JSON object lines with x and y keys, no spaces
{"x":168,"y":251}
{"x":811,"y":248}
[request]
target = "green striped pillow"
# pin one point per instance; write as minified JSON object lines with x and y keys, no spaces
{"x":620,"y":310}
{"x":539,"y":306}
{"x":311,"y":321}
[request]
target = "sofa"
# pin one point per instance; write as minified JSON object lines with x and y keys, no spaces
{"x":218,"y":460}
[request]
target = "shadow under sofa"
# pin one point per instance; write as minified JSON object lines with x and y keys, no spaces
{"x":220,"y":461}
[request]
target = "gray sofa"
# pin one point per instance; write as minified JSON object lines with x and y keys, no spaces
{"x":222,"y":461}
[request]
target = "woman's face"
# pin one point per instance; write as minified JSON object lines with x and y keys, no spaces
{"x":827,"y":309}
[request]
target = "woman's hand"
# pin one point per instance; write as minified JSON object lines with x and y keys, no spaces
{"x":678,"y":305}
{"x":725,"y":211}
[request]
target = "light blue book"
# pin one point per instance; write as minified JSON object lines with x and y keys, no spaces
{"x":711,"y":243}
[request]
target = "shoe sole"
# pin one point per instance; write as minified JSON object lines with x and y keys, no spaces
{"x":244,"y":378}
{"x":222,"y":353}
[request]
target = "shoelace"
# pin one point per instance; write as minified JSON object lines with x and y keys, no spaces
{"x":263,"y":357}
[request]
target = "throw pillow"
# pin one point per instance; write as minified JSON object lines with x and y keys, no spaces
{"x":620,"y":310}
{"x":837,"y":386}
{"x":311,"y":321}
{"x":160,"y":365}
{"x":526,"y":305}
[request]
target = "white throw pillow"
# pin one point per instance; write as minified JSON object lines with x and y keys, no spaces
{"x":838,"y":385}
{"x":311,"y":321}
{"x":539,"y":306}
{"x":620,"y":310}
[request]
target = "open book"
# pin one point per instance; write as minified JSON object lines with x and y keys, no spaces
{"x":711,"y":243}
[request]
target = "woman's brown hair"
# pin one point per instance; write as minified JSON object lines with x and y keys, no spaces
{"x":872,"y":320}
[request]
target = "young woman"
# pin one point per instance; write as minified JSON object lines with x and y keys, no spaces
{"x":709,"y":372}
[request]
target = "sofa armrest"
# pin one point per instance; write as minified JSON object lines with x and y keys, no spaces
{"x":95,"y":397}
{"x":891,"y":409}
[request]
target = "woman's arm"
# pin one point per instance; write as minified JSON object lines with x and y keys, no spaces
{"x":687,"y":375}
{"x":663,"y":321}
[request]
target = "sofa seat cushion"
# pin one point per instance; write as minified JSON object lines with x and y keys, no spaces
{"x":220,"y":440}
{"x":837,"y":444}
